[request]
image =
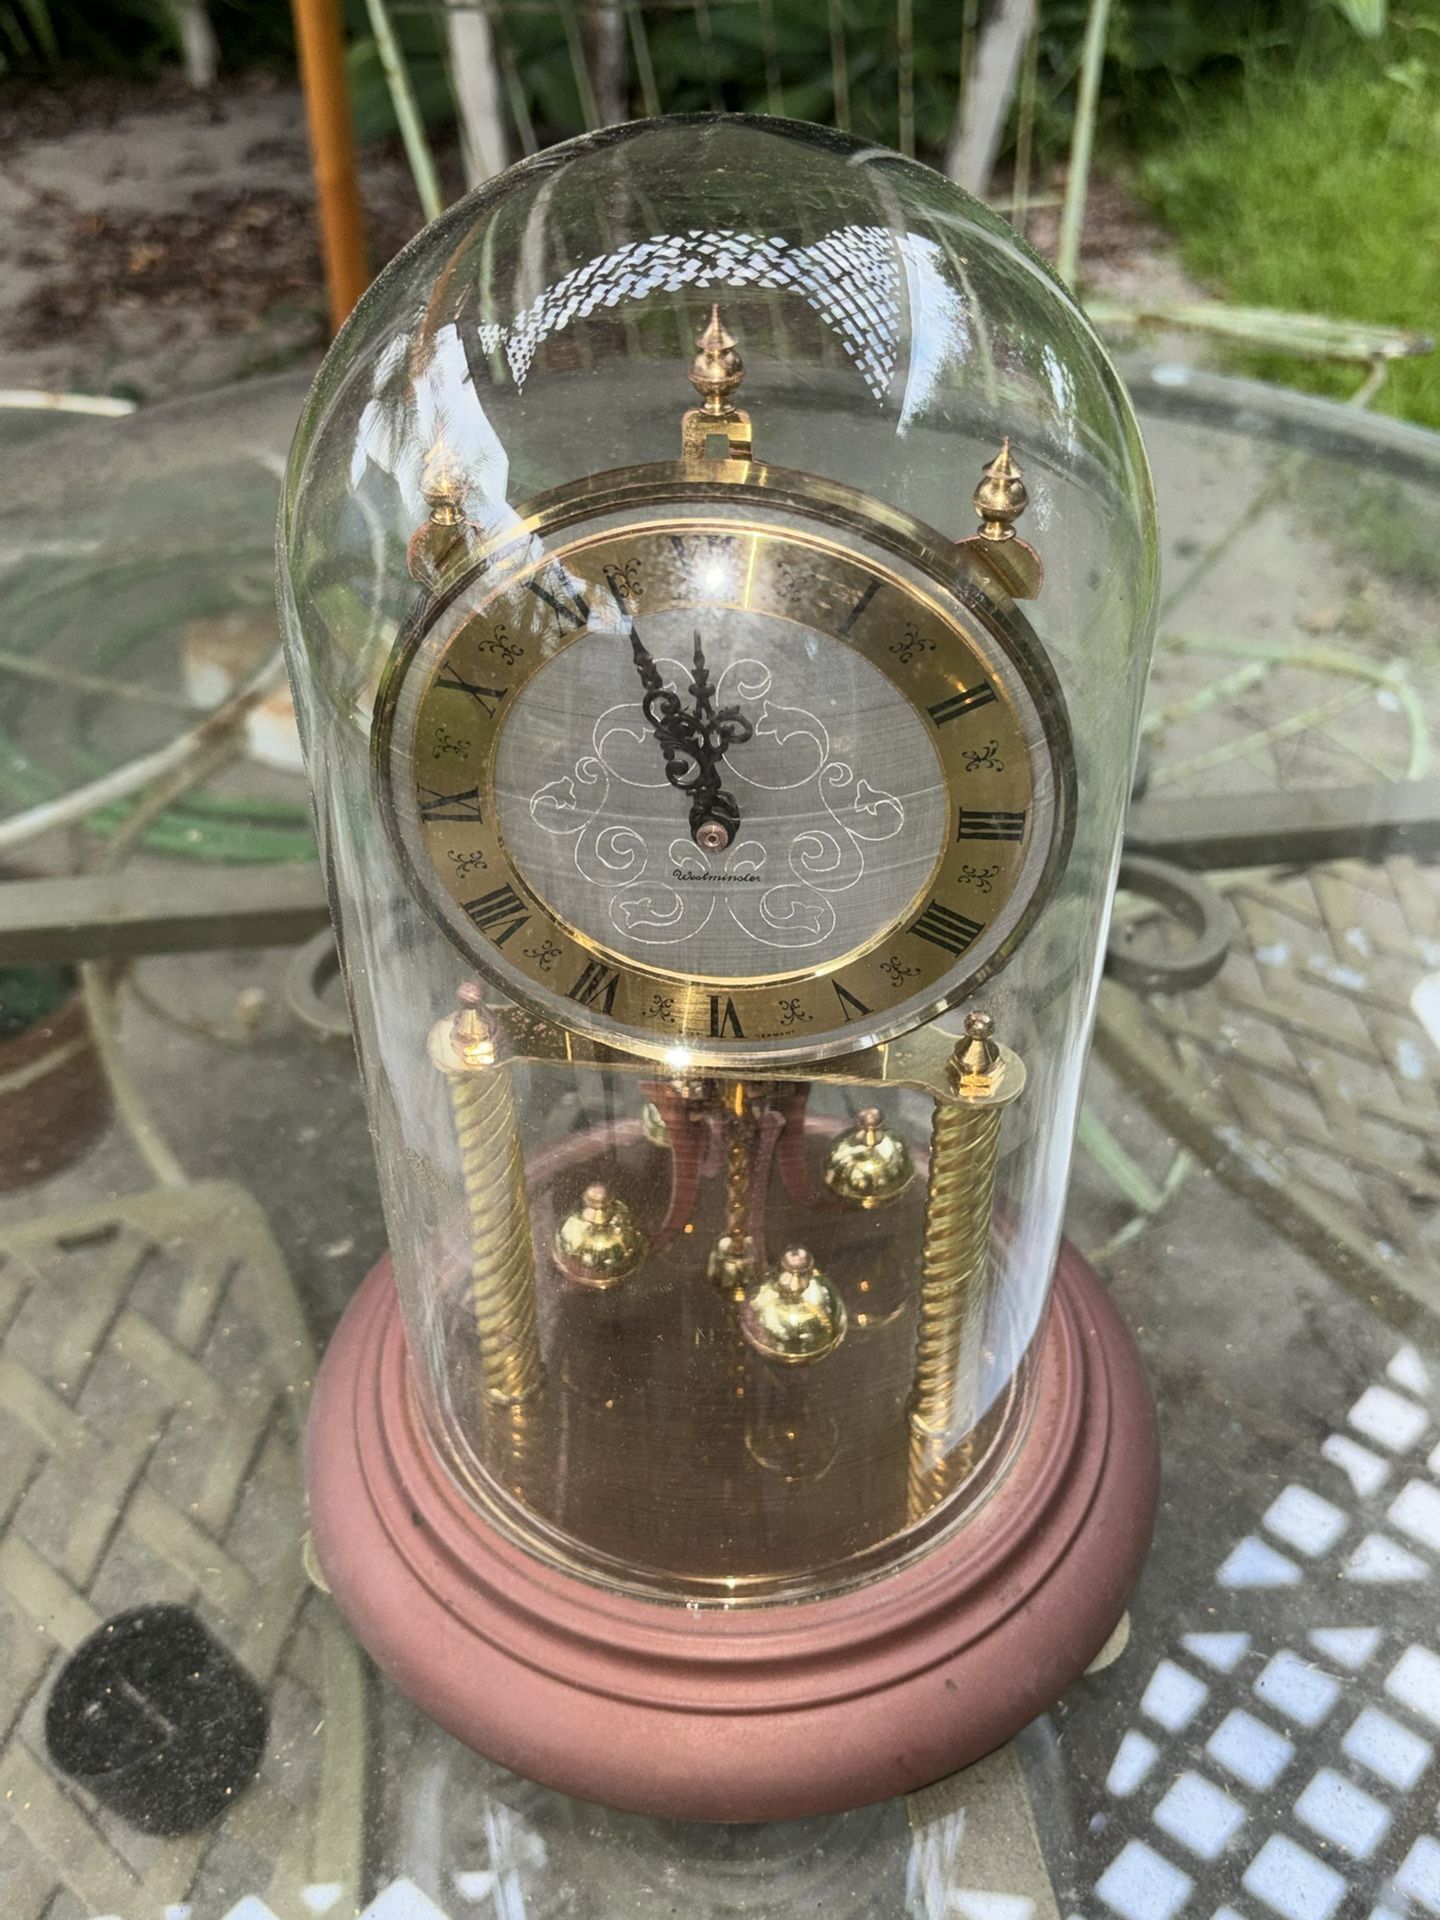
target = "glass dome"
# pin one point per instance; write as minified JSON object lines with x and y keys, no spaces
{"x":675,"y":1308}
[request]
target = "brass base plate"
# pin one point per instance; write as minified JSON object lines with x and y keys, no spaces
{"x":681,"y":1457}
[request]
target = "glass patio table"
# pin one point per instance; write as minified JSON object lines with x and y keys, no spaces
{"x":187,"y":1201}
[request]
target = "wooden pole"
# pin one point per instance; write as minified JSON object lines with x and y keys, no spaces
{"x":332,"y":145}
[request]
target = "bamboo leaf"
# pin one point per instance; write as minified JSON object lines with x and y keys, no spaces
{"x":42,"y":28}
{"x":1369,"y":18}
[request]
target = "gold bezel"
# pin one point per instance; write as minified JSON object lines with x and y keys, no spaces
{"x":831,"y":507}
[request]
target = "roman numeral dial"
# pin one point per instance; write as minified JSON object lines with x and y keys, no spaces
{"x":896,"y":751}
{"x":487,"y":699}
{"x":596,"y":986}
{"x":724,"y":1020}
{"x":943,"y":927}
{"x":500,"y":914}
{"x":980,"y":824}
{"x":435,"y":805}
{"x":565,"y":600}
{"x":958,"y":705}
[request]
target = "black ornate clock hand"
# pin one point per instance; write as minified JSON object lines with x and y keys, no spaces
{"x":715,"y":734}
{"x":694,"y":741}
{"x":665,"y":714}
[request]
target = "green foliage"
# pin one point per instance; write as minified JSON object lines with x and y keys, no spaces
{"x":421,"y":38}
{"x":754,"y":57}
{"x":26,"y":29}
{"x":1164,"y":58}
{"x":745,"y":55}
{"x":789,"y":43}
{"x":759,"y":56}
{"x":29,"y":995}
{"x":59,"y":39}
{"x":1367,"y":17}
{"x":1316,"y":191}
{"x":52,"y":36}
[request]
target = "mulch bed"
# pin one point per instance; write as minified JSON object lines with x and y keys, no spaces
{"x":228,"y":258}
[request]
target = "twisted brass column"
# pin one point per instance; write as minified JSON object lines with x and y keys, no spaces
{"x":964,"y":1143}
{"x":502,"y":1271}
{"x":732,"y":1264}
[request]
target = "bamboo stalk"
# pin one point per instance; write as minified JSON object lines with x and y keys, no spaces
{"x":475,"y":77}
{"x":774,"y":93}
{"x":1021,"y":200}
{"x":905,"y":33}
{"x":78,"y":682}
{"x":644,"y":65}
{"x":580,"y":67}
{"x":407,"y":113}
{"x":705,"y":30}
{"x":515,"y":89}
{"x":45,"y":400}
{"x":1082,"y":145}
{"x":839,"y":65}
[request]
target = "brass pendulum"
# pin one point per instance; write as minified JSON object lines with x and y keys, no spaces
{"x":794,"y":1315}
{"x":984,"y":1078}
{"x":869,"y":1165}
{"x":600,"y":1243}
{"x":465,"y":1048}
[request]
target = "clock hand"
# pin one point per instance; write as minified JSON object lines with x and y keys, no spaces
{"x":663,"y":712}
{"x":694,"y":742}
{"x":714,"y":815}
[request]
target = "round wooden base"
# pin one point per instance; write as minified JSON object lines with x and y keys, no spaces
{"x":766,"y":1712}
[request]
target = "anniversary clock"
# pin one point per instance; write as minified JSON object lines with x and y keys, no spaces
{"x":721,"y":811}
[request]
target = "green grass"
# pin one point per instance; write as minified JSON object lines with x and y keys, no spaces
{"x":1320,"y":193}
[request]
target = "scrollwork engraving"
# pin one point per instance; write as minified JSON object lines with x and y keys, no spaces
{"x":779,"y":891}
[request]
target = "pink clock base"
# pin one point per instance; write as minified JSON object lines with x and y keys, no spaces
{"x":767,"y":1713}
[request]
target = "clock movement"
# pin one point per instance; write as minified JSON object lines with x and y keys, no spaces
{"x":720,"y":806}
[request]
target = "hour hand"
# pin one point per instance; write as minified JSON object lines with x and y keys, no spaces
{"x":694,"y":741}
{"x":714,"y":815}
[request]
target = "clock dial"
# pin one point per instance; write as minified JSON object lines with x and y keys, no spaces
{"x":725,"y":788}
{"x":837,"y":808}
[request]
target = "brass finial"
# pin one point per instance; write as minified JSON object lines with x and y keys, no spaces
{"x":446,"y":540}
{"x":442,"y":482}
{"x":794,"y":1315}
{"x":869,"y":1165}
{"x":978,"y":1064}
{"x":716,"y":431}
{"x":599,"y":1244}
{"x":475,"y":1029}
{"x":469,"y":1039}
{"x":717,"y":369}
{"x":1001,"y":497}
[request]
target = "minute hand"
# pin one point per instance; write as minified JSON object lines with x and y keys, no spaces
{"x":694,"y":741}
